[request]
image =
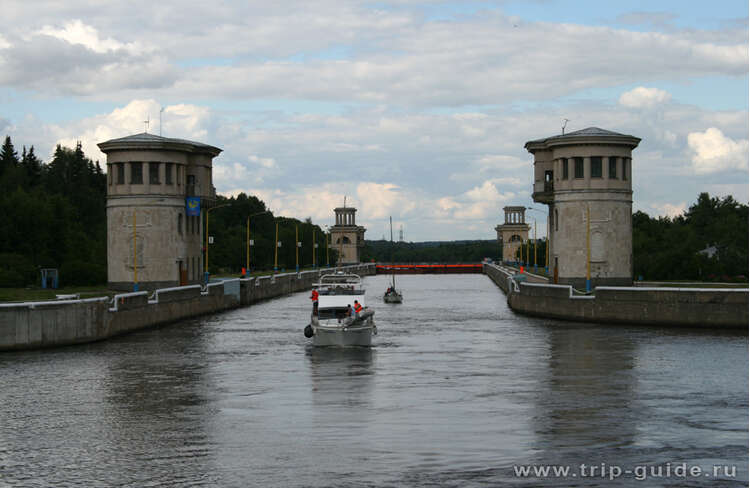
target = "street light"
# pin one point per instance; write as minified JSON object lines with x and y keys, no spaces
{"x":208,"y":210}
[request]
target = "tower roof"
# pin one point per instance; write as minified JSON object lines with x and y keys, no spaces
{"x":151,"y":141}
{"x":589,"y":135}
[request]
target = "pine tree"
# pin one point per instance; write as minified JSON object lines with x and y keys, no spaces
{"x":8,"y":156}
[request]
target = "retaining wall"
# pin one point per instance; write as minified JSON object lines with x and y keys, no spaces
{"x":32,"y":325}
{"x":682,"y":307}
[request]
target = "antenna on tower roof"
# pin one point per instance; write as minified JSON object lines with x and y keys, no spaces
{"x":147,"y":121}
{"x":160,"y":112}
{"x":565,"y":122}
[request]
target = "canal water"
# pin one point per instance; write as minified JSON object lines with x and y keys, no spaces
{"x":457,"y":391}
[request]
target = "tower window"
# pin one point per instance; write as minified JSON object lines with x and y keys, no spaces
{"x":565,"y":168}
{"x":579,"y":167}
{"x":179,"y":223}
{"x":612,"y":168}
{"x":596,"y":166}
{"x":557,"y":222}
{"x":120,"y":173}
{"x":153,"y":173}
{"x":136,"y":173}
{"x":168,"y":173}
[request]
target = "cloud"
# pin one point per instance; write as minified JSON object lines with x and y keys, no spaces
{"x":642,"y":97}
{"x":357,"y":52}
{"x":714,"y":152}
{"x":182,"y":121}
{"x":76,"y":32}
{"x":670,"y":210}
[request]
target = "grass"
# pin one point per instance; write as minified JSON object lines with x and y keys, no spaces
{"x":31,"y":294}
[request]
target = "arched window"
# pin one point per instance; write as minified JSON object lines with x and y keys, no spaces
{"x":344,"y":240}
{"x":557,"y":222}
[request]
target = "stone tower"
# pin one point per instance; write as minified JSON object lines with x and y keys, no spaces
{"x":157,"y":193}
{"x":587,"y":172}
{"x":347,"y":238}
{"x":513,"y":232}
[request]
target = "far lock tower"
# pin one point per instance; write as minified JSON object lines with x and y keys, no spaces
{"x":513,"y":232}
{"x":347,"y":238}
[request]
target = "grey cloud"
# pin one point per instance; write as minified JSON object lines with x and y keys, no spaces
{"x":53,"y":66}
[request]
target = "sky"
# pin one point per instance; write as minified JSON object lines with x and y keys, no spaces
{"x":413,"y":109}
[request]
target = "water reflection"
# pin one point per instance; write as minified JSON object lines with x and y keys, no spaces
{"x":157,"y":407}
{"x":341,"y":377}
{"x":585,"y":399}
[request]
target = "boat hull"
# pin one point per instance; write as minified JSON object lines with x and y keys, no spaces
{"x":392,"y":298}
{"x":343,"y":337}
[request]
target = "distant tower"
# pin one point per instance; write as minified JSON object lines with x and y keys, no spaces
{"x":347,"y":238}
{"x":587,"y":171}
{"x":513,"y":232}
{"x":166,"y":184}
{"x":401,"y":234}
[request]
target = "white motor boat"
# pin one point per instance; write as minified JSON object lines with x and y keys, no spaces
{"x":336,"y":323}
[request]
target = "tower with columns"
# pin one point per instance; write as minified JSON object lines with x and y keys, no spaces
{"x":585,"y":179}
{"x":347,"y":238}
{"x":157,"y":194}
{"x":513,"y":232}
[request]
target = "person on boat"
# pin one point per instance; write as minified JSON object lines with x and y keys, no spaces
{"x":314,"y":298}
{"x":357,"y":309}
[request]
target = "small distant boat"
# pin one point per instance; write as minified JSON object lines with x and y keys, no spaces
{"x":392,"y":295}
{"x":333,"y":326}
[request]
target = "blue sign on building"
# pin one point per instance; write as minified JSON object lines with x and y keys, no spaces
{"x":193,"y":206}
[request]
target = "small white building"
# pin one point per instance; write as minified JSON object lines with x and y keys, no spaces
{"x":157,"y":191}
{"x":587,"y":172}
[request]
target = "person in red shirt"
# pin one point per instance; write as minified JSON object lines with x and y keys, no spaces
{"x":357,"y":308}
{"x":314,"y":298}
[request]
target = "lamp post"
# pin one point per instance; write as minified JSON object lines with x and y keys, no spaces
{"x":135,"y":257}
{"x":328,"y":235}
{"x":276,"y":250}
{"x":298,"y":244}
{"x":208,"y":211}
{"x":315,"y":247}
{"x":588,"y":249}
{"x":534,"y":245}
{"x":249,"y":242}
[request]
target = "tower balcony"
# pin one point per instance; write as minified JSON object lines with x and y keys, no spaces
{"x":544,"y":192}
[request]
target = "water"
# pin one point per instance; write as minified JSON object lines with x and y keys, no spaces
{"x":456,"y":391}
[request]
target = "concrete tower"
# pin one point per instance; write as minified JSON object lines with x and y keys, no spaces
{"x":587,"y":172}
{"x":158,"y":190}
{"x":513,"y":232}
{"x":347,"y":238}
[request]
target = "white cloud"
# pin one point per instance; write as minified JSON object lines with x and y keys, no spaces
{"x":714,"y":152}
{"x":264,"y":162}
{"x":642,"y":97}
{"x":181,"y":121}
{"x":670,"y":210}
{"x":76,"y":32}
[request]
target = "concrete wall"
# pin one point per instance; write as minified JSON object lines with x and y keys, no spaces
{"x":32,"y":325}
{"x":681,"y":307}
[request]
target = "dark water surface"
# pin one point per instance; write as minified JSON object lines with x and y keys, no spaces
{"x":456,"y":391}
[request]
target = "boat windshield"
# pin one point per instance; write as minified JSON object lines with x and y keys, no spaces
{"x":332,"y":313}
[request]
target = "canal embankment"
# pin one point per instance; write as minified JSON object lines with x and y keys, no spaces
{"x":714,"y":308}
{"x":33,"y":325}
